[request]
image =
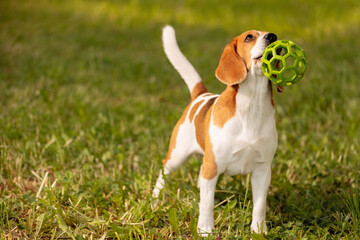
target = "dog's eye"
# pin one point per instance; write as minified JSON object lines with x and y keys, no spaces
{"x":249,"y":38}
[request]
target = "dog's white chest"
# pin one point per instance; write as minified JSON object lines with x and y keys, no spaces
{"x":241,"y":145}
{"x":244,"y":157}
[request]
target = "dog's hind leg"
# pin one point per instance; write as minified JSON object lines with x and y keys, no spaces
{"x":160,"y":183}
{"x":170,"y":166}
{"x":177,"y":157}
{"x":180,"y":148}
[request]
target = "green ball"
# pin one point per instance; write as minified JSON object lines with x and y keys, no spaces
{"x":284,"y":62}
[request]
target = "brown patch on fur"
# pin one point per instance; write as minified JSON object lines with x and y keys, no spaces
{"x":194,"y":109}
{"x":225,"y":107}
{"x":209,"y":167}
{"x":198,"y":89}
{"x":200,"y":126}
{"x":232,"y":68}
{"x":174,"y":134}
{"x":235,"y":60}
{"x":244,"y":47}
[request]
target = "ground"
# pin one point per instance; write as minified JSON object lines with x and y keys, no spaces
{"x":88,"y":101}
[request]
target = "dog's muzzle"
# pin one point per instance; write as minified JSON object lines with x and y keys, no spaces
{"x":270,"y":38}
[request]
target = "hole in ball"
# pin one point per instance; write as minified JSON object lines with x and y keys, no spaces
{"x":289,"y":75}
{"x":290,"y":61}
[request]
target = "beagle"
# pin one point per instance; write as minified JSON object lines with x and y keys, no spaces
{"x":235,"y":131}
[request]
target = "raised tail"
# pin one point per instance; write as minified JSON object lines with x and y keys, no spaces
{"x":181,"y":64}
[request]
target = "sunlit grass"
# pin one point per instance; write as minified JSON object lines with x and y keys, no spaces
{"x":89,"y":98}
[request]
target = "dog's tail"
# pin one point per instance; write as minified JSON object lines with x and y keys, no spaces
{"x":181,"y":64}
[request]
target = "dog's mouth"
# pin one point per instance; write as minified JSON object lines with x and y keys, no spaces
{"x":278,"y":52}
{"x":259,"y":58}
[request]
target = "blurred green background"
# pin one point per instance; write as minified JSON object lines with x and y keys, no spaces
{"x":89,"y":98}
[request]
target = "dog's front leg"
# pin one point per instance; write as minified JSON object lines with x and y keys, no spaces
{"x":206,"y":207}
{"x":260,"y":181}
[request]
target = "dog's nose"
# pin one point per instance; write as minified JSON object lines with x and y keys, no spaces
{"x":271,"y":37}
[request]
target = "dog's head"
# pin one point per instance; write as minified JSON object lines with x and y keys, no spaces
{"x":243,"y":54}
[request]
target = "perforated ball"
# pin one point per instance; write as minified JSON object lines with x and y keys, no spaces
{"x":284,"y":62}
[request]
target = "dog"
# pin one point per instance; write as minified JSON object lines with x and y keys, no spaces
{"x":235,"y":131}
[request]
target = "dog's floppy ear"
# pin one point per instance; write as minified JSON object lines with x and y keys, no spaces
{"x":231,"y":69}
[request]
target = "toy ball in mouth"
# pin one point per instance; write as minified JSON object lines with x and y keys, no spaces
{"x":284,"y":62}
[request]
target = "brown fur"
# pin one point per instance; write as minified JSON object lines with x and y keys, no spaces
{"x":236,"y":59}
{"x":209,"y":167}
{"x":231,"y":69}
{"x":199,"y":121}
{"x":198,"y":89}
{"x":225,"y":107}
{"x":174,"y":134}
{"x":244,"y":48}
{"x":194,"y":109}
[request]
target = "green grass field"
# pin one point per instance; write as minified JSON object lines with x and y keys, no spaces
{"x":88,"y":101}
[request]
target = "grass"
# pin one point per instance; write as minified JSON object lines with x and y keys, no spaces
{"x":89,"y":100}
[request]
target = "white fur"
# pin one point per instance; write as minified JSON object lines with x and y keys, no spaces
{"x":245,"y":144}
{"x":178,"y":60}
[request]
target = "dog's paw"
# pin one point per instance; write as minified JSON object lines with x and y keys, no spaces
{"x":204,"y":231}
{"x":205,"y":228}
{"x":155,"y":194}
{"x":157,"y":198}
{"x":154,"y":204}
{"x":258,"y":227}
